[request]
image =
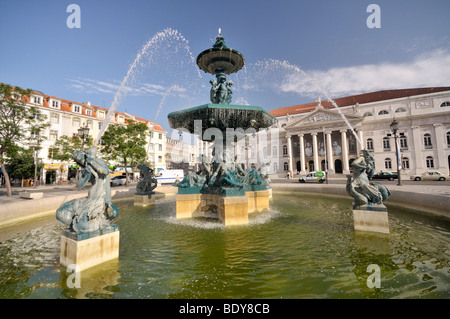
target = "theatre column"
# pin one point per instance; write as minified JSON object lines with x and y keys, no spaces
{"x":330,"y":153}
{"x":302,"y":154}
{"x":345,"y":166}
{"x":315,"y":152}
{"x":440,"y":142}
{"x":290,"y":153}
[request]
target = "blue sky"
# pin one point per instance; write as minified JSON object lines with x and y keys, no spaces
{"x":329,"y":40}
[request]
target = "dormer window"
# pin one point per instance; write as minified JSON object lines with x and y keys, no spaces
{"x":88,"y":112}
{"x":36,"y":100}
{"x":55,"y":104}
{"x":121,"y":119}
{"x":76,"y":108}
{"x":101,"y":114}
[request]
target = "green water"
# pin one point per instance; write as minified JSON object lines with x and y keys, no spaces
{"x":305,"y":247}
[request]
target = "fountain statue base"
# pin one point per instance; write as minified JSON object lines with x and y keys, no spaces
{"x":372,"y":218}
{"x":89,"y":250}
{"x":230,"y":210}
{"x":144,"y":200}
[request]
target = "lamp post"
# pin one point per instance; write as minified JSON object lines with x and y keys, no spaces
{"x":83,"y":132}
{"x":394,"y":129}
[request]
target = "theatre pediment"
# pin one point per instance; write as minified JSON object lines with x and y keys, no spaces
{"x":320,"y":117}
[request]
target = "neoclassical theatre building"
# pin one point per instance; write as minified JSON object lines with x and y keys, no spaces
{"x":321,"y":136}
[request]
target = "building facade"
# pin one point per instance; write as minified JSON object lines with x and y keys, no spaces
{"x":66,"y":117}
{"x":326,"y":136}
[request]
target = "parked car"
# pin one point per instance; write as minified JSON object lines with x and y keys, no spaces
{"x":118,"y":180}
{"x":313,"y":177}
{"x":429,"y":176}
{"x":385,"y":175}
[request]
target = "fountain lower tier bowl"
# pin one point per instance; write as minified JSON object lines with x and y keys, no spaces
{"x":221,"y":116}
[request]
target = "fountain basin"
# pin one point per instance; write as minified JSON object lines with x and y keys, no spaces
{"x":304,"y":247}
{"x":221,"y":116}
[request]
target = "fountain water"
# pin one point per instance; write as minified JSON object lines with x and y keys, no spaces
{"x":148,"y":49}
{"x":270,"y":65}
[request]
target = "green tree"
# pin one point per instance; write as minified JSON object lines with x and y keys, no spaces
{"x":22,"y":164}
{"x":64,"y":147}
{"x":125,"y":144}
{"x":17,"y":122}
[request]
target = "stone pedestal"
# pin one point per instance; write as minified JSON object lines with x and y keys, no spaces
{"x":188,"y":205}
{"x":89,"y":252}
{"x":371,"y":220}
{"x":258,"y":200}
{"x":144,"y":200}
{"x":233,"y":210}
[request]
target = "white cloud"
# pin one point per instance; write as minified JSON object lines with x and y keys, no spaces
{"x":430,"y":69}
{"x":95,"y":86}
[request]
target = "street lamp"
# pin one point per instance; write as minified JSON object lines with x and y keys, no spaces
{"x":394,"y":129}
{"x":83,"y":133}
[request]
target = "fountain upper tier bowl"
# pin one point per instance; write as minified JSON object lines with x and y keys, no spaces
{"x":220,"y":59}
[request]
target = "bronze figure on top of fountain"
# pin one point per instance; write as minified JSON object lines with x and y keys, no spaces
{"x":93,"y":213}
{"x":367,"y":195}
{"x":148,"y":182}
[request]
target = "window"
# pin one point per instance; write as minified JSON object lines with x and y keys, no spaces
{"x":448,"y":139}
{"x":151,"y":146}
{"x":386,"y":144}
{"x":427,"y":141}
{"x":405,"y":163}
{"x":53,"y":135}
{"x":160,"y":147}
{"x":430,"y":162}
{"x":275,"y":167}
{"x":121,"y":119}
{"x":400,"y":110}
{"x":264,"y":151}
{"x":160,"y":136}
{"x":274,"y":151}
{"x":160,"y":159}
{"x":286,"y":166}
{"x":370,"y":144}
{"x":89,"y":123}
{"x":55,"y":104}
{"x":445,"y":104}
{"x":76,"y":122}
{"x":37,"y":100}
{"x":100,"y":125}
{"x":101,"y":115}
{"x":54,"y":118}
{"x":76,"y":109}
{"x":367,"y":114}
{"x":37,"y":115}
{"x":383,"y":112}
{"x":285,"y":150}
{"x":387,"y":163}
{"x":403,"y":143}
{"x":88,"y":112}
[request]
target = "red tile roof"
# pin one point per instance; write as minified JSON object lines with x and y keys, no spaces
{"x":66,"y":106}
{"x":360,"y":98}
